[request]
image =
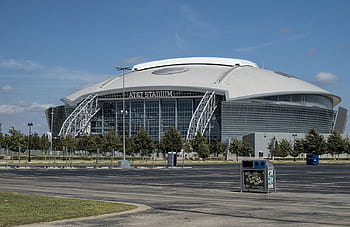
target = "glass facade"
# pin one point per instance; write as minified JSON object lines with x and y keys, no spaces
{"x":244,"y":117}
{"x":58,"y":115}
{"x":108,"y":116}
{"x":306,"y":100}
{"x":152,"y":115}
{"x":156,"y":111}
{"x":155,"y":115}
{"x":167,"y":114}
{"x":184,"y":110}
{"x":136,"y":116}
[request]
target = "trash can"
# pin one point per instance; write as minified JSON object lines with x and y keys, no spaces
{"x":312,"y":159}
{"x":257,"y":176}
{"x":172,"y":158}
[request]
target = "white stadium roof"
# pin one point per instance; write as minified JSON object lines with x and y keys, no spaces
{"x":196,"y":60}
{"x":236,"y":79}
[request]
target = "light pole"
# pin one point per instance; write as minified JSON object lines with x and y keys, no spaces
{"x":51,"y":129}
{"x":123,"y":111}
{"x":294,"y":135}
{"x":30,"y":124}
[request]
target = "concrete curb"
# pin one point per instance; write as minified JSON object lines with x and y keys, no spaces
{"x":140,"y":208}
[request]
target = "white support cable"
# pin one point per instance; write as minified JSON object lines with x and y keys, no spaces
{"x":79,"y":119}
{"x":202,"y":115}
{"x":193,"y":123}
{"x":207,"y":113}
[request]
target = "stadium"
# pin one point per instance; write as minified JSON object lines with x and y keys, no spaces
{"x":219,"y":97}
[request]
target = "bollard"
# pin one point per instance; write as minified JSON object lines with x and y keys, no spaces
{"x":97,"y":154}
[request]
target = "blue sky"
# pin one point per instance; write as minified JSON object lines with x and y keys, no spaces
{"x":49,"y":49}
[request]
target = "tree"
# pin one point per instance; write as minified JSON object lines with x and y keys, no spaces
{"x":314,"y":143}
{"x":129,"y":146}
{"x":57,"y":142}
{"x":217,"y":147}
{"x":95,"y":141}
{"x":82,"y":143}
{"x":297,"y":148}
{"x":271,"y":146}
{"x":34,"y":141}
{"x":239,"y":147}
{"x":2,"y":140}
{"x":111,"y":141}
{"x":143,"y":142}
{"x":69,"y":142}
{"x":44,"y":142}
{"x":274,"y":148}
{"x":285,"y":148}
{"x":200,"y":145}
{"x":347,"y":145}
{"x":246,"y":148}
{"x":203,"y":150}
{"x":186,"y":146}
{"x":89,"y":142}
{"x":15,"y":139}
{"x":171,"y":141}
{"x":335,"y":144}
{"x":235,"y":147}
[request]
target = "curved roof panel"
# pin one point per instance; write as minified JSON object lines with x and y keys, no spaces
{"x":237,"y":79}
{"x":194,"y":60}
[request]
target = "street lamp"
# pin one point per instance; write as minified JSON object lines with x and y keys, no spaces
{"x":294,"y":135}
{"x":30,"y":124}
{"x":123,"y":111}
{"x":51,"y":131}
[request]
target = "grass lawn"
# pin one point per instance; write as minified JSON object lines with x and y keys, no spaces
{"x":19,"y":209}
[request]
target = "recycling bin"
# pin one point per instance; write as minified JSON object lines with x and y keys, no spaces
{"x":312,"y":159}
{"x":257,"y":176}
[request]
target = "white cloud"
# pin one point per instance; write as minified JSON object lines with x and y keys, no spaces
{"x":193,"y":17}
{"x":56,"y":73}
{"x":133,"y":60}
{"x":22,"y":103}
{"x":61,"y":73}
{"x":301,"y":32}
{"x":19,"y":120}
{"x":289,"y":35}
{"x":325,"y":78}
{"x":180,"y":42}
{"x":39,"y":107}
{"x":292,"y":36}
{"x":26,"y":65}
{"x":22,"y":107}
{"x":6,"y":89}
{"x":37,"y":85}
{"x":11,"y":109}
{"x":195,"y":24}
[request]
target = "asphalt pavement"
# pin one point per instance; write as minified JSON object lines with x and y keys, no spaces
{"x":198,"y":195}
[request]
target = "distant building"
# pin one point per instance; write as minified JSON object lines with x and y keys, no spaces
{"x":221,"y":97}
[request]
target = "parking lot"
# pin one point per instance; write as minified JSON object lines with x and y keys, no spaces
{"x":197,"y":195}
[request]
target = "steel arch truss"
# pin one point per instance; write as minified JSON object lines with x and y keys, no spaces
{"x":202,"y":115}
{"x":77,"y":122}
